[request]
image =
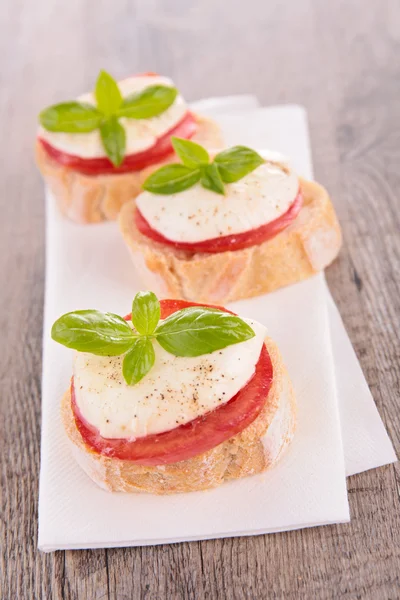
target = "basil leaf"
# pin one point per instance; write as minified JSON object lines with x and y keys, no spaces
{"x":151,"y":102}
{"x":236,"y":162}
{"x":108,"y":96}
{"x":171,"y":179}
{"x":92,"y":331}
{"x":211,"y":179}
{"x":71,"y":117}
{"x":145,"y":312}
{"x":114,"y":140}
{"x":138,"y":361}
{"x":191,"y":154}
{"x":197,"y":330}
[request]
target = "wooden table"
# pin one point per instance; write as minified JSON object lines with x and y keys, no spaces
{"x":341,"y":60}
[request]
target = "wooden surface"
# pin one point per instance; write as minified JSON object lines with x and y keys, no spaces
{"x":341,"y":60}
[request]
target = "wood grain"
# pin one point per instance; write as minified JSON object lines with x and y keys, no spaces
{"x":339,"y":59}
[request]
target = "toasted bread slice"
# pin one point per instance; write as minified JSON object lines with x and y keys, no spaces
{"x":308,"y":245}
{"x":252,"y":451}
{"x":93,"y":198}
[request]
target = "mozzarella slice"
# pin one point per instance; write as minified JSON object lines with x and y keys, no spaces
{"x":198,"y":214}
{"x":141,"y":134}
{"x":175,"y":391}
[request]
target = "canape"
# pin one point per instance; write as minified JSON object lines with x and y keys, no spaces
{"x":175,"y":397}
{"x":233,"y":228}
{"x":94,"y":152}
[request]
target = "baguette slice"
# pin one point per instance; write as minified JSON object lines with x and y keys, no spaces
{"x":254,"y":450}
{"x":94,"y":198}
{"x":308,"y":245}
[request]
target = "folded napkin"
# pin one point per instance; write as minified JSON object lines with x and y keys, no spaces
{"x":90,"y":267}
{"x":365,"y":441}
{"x":366,"y":444}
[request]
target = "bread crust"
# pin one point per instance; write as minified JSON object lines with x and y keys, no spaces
{"x":308,"y":245}
{"x":94,"y":198}
{"x":252,"y":451}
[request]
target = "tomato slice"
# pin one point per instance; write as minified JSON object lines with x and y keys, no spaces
{"x":168,"y":307}
{"x":186,"y":128}
{"x":146,"y":74}
{"x":225,"y":243}
{"x":195,"y":437}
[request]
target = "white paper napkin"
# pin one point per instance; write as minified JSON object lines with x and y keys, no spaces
{"x":365,"y":441}
{"x":89,"y":266}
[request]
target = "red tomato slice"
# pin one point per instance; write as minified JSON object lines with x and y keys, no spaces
{"x":194,"y":437}
{"x":146,"y":74}
{"x":168,"y":307}
{"x":233,"y":242}
{"x":186,"y":128}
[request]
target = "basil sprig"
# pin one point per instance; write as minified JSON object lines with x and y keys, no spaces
{"x":227,"y":167}
{"x":192,"y":331}
{"x":81,"y":117}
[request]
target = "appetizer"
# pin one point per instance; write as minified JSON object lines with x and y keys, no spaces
{"x":227,"y":228}
{"x":175,"y":397}
{"x":94,"y":152}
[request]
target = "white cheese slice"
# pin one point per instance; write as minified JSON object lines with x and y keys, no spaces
{"x":175,"y":391}
{"x":141,"y":134}
{"x":198,"y":214}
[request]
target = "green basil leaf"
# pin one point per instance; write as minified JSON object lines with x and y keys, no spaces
{"x":145,"y":312}
{"x":211,"y":179}
{"x":114,"y":140}
{"x":152,"y":101}
{"x":236,"y":162}
{"x":108,"y":96}
{"x":191,"y":154}
{"x":171,"y":179}
{"x":92,"y":331}
{"x":138,"y":361}
{"x":198,"y":330}
{"x":71,"y":117}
